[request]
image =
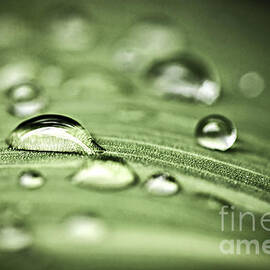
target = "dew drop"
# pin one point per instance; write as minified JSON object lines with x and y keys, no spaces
{"x":216,"y":132}
{"x":25,"y":100}
{"x":251,"y":84}
{"x":105,"y":174}
{"x":186,"y":77}
{"x":84,"y":229}
{"x":146,"y":40}
{"x":52,"y":132}
{"x":31,"y":180}
{"x":161,"y":185}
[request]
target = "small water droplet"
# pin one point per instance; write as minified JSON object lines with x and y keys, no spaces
{"x":216,"y":132}
{"x":84,"y":229}
{"x":23,"y":92}
{"x":25,"y":99}
{"x":17,"y":72}
{"x":105,"y":174}
{"x":13,"y":233}
{"x":31,"y":180}
{"x":184,"y":76}
{"x":14,"y":239}
{"x":52,"y":132}
{"x":161,"y":185}
{"x":251,"y":84}
{"x":146,"y":40}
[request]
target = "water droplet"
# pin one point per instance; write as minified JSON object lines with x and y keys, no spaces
{"x":216,"y":132}
{"x":14,"y":239}
{"x":213,"y":201}
{"x":251,"y":84}
{"x":16,"y":73}
{"x":25,"y":99}
{"x":105,"y":174}
{"x":31,"y":180}
{"x":147,"y":40}
{"x":184,"y":76}
{"x":72,"y":31}
{"x":51,"y":132}
{"x":13,"y":233}
{"x":161,"y":185}
{"x":84,"y":229}
{"x":23,"y":92}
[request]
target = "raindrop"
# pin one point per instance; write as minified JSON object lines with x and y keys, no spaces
{"x":25,"y":100}
{"x":161,"y":185}
{"x":216,"y":132}
{"x":251,"y":84}
{"x":51,"y":132}
{"x":31,"y":180}
{"x":146,"y":40}
{"x":104,"y":174}
{"x":84,"y":229}
{"x":186,"y":77}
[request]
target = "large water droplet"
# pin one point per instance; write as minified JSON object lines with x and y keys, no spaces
{"x":31,"y":180}
{"x":105,"y":174}
{"x":161,"y":185}
{"x":251,"y":84}
{"x":84,"y":229}
{"x":185,"y":76}
{"x":51,"y":132}
{"x":216,"y":132}
{"x":148,"y":39}
{"x":25,"y":99}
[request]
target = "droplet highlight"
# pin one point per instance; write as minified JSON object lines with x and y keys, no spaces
{"x":55,"y":133}
{"x":162,"y":185}
{"x":186,"y":77}
{"x":216,"y":132}
{"x":31,"y":180}
{"x":104,"y":174}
